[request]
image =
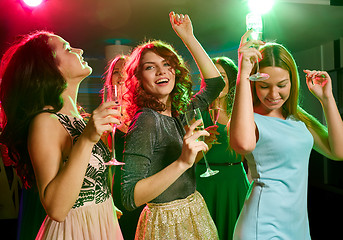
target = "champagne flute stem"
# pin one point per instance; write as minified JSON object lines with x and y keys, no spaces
{"x":206,"y":163}
{"x":257,"y":67}
{"x":113,"y":135}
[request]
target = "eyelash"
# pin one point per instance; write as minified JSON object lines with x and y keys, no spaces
{"x":150,"y":67}
{"x":280,"y":86}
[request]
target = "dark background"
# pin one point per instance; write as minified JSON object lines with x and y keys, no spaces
{"x":310,"y":29}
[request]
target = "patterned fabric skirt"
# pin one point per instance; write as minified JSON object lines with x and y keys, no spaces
{"x":186,"y":218}
{"x":97,"y":221}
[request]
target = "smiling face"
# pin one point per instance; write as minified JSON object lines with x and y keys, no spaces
{"x":69,"y":60}
{"x":158,"y":77}
{"x":273,"y":92}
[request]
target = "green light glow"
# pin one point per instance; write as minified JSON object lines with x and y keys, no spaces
{"x":260,"y":6}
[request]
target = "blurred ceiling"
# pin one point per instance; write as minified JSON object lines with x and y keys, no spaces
{"x":218,"y":24}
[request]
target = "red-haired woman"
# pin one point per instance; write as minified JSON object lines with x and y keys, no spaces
{"x":159,"y":154}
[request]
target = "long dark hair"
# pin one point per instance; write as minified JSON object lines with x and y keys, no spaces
{"x":231,"y":71}
{"x":30,"y":81}
{"x":138,"y":98}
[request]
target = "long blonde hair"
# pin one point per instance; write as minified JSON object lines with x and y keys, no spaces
{"x":276,"y":55}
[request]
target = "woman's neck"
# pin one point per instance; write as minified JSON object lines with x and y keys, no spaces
{"x":70,"y":103}
{"x":168,"y":111}
{"x":278,"y":113}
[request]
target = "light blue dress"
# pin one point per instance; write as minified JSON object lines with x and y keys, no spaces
{"x":276,"y":205}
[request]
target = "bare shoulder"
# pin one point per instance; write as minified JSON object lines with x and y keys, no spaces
{"x":44,"y":119}
{"x":46,"y":128}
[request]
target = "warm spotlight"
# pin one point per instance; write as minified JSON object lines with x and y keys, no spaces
{"x":32,"y":3}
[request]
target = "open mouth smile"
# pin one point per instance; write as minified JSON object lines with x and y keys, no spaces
{"x":273,"y":101}
{"x":162,"y":81}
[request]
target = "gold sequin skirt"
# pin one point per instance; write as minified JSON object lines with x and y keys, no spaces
{"x":183,"y":219}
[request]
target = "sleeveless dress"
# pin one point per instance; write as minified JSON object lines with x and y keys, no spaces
{"x":225,"y":192}
{"x":93,"y":215}
{"x":276,"y":206}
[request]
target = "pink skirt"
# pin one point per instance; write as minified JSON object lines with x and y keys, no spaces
{"x":96,"y":221}
{"x":182,"y":219}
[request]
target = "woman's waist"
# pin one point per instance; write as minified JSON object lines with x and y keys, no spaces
{"x":175,"y":203}
{"x":178,"y":190}
{"x":92,"y":196}
{"x":282,"y":184}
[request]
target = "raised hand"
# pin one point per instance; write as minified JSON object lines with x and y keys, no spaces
{"x":191,"y":145}
{"x":319,"y":83}
{"x":181,"y":24}
{"x":101,"y":120}
{"x":248,"y":54}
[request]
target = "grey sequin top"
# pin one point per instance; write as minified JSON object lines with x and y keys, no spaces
{"x":154,"y":141}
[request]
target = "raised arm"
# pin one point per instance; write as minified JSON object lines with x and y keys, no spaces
{"x":182,"y":25}
{"x":242,"y":126}
{"x":320,"y":85}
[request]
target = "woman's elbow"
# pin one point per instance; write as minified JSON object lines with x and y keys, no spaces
{"x":242,"y":147}
{"x":127,"y":199}
{"x":128,"y":206}
{"x":337,"y":157}
{"x":58,"y":215}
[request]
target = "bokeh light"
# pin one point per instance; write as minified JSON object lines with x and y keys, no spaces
{"x":32,"y":3}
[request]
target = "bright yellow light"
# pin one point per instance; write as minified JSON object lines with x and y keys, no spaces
{"x":260,"y":6}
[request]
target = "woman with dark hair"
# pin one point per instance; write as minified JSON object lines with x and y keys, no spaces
{"x":224,"y":193}
{"x":50,"y":143}
{"x":276,"y":136}
{"x":159,"y":154}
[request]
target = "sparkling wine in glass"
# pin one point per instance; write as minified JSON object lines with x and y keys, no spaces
{"x":191,"y":117}
{"x":254,"y":22}
{"x":113,"y":93}
{"x":214,"y":111}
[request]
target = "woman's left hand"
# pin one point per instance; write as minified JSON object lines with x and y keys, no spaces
{"x":319,"y":83}
{"x":181,"y":24}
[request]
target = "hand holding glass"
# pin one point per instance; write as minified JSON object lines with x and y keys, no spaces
{"x":191,"y":117}
{"x":113,"y":93}
{"x":254,"y":22}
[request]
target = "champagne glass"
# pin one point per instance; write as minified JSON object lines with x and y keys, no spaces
{"x":254,"y":22}
{"x":191,"y":117}
{"x":113,"y":93}
{"x":214,"y":111}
